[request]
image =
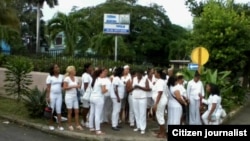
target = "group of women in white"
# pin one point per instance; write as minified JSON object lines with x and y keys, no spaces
{"x":144,"y":92}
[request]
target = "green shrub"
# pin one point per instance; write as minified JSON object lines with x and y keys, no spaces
{"x":18,"y":79}
{"x":35,"y":103}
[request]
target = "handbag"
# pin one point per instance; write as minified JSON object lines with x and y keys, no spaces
{"x":79,"y":95}
{"x":87,"y":93}
{"x":48,"y":112}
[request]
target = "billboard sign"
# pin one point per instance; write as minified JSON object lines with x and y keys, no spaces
{"x":116,"y":24}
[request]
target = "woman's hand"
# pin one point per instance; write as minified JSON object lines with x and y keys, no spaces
{"x":118,"y":99}
{"x":155,"y":107}
{"x":209,"y":118}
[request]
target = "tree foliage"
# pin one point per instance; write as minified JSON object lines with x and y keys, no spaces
{"x":225,"y":35}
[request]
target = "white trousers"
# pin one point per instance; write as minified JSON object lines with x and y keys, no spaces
{"x":194,"y":112}
{"x":96,"y":108}
{"x":131,"y":110}
{"x":160,"y":111}
{"x":107,"y":109}
{"x":115,"y":112}
{"x":56,"y":102}
{"x":140,"y":110}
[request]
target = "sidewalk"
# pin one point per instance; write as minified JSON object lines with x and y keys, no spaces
{"x":126,"y":133}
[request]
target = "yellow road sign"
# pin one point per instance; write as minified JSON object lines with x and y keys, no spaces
{"x":200,"y":56}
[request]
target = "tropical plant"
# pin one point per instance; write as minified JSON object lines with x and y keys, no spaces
{"x":232,"y":93}
{"x":73,"y":27}
{"x":35,"y":102}
{"x":18,"y":79}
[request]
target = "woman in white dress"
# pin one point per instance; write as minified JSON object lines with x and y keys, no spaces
{"x":117,"y":95}
{"x":70,"y":85}
{"x":139,"y":93}
{"x":54,"y":83}
{"x":213,"y":114}
{"x":150,"y":102}
{"x":175,"y":101}
{"x":97,"y":100}
{"x":159,"y":95}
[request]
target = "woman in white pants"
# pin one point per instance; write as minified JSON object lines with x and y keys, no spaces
{"x":117,"y":94}
{"x":70,"y":85}
{"x":213,"y":114}
{"x":86,"y":84}
{"x":195,"y":93}
{"x":107,"y":108}
{"x":97,"y":100}
{"x":159,"y":95}
{"x":129,"y":89}
{"x":174,"y":102}
{"x":150,"y":102}
{"x":54,"y":83}
{"x":140,"y":89}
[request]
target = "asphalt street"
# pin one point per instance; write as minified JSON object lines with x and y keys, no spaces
{"x":16,"y":132}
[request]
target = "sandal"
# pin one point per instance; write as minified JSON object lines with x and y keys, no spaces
{"x":79,"y":127}
{"x":71,"y":128}
{"x":100,"y":133}
{"x":92,"y":130}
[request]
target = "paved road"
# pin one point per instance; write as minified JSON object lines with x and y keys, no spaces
{"x":15,"y":132}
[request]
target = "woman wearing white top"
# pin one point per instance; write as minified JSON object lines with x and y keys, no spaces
{"x":129,"y":89}
{"x":117,"y":95}
{"x":150,"y":102}
{"x":139,"y":93}
{"x":159,"y":96}
{"x":195,"y":93}
{"x":213,"y":114}
{"x":86,"y":84}
{"x":174,"y":102}
{"x":54,"y":83}
{"x":107,"y":108}
{"x":70,"y":86}
{"x":97,"y":100}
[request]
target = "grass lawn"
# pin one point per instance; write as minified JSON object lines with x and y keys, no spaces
{"x":12,"y":108}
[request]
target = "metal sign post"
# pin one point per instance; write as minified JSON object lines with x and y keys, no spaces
{"x":116,"y":24}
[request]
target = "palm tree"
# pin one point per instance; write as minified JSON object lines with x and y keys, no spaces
{"x":39,"y":4}
{"x":104,"y":45}
{"x":73,"y":26}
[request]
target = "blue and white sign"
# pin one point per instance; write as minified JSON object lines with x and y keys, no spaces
{"x":192,"y":66}
{"x":116,"y":29}
{"x":116,"y":24}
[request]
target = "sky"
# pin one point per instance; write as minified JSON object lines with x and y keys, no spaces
{"x":176,"y":10}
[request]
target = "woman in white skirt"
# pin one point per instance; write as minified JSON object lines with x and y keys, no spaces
{"x":175,"y":101}
{"x":213,"y":114}
{"x":159,"y":95}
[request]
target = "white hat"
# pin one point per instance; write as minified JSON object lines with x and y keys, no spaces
{"x":126,"y":66}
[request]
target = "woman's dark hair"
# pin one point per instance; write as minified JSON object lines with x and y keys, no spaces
{"x":179,"y":77}
{"x":51,"y":69}
{"x":161,"y":73}
{"x":96,"y":74}
{"x":86,"y":66}
{"x":171,"y":81}
{"x":118,"y":72}
{"x":214,"y":89}
{"x":140,"y":71}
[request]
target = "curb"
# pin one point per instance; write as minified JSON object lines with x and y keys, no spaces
{"x":85,"y":135}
